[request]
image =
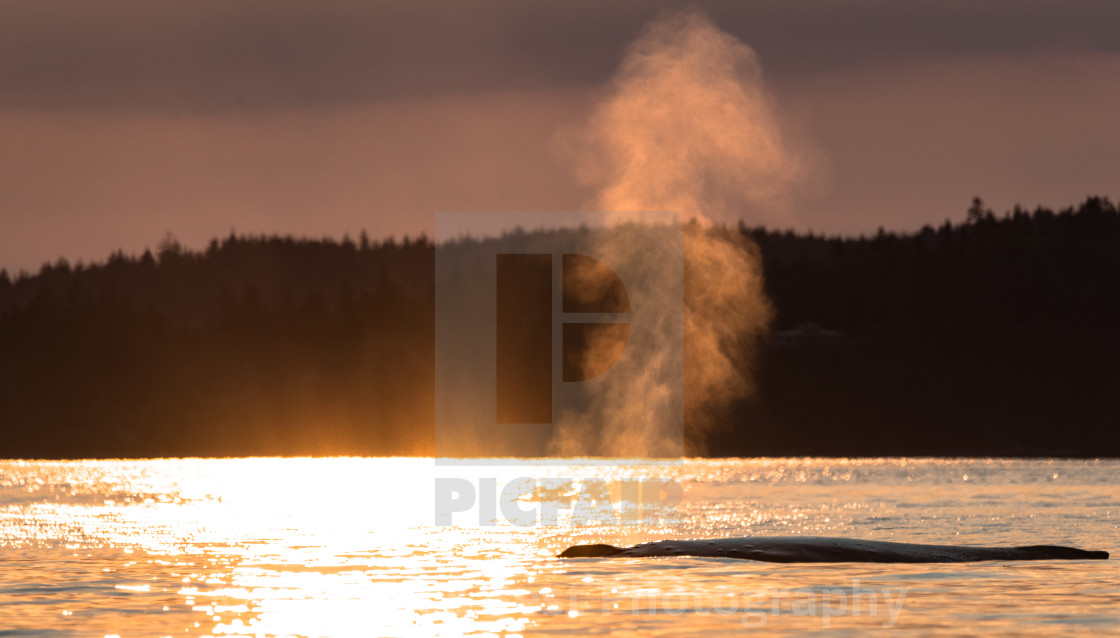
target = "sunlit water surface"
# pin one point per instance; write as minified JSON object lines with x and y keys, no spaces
{"x":349,"y":547}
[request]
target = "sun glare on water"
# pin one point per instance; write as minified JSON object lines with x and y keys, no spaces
{"x":351,"y":546}
{"x":279,"y":546}
{"x":284,"y":546}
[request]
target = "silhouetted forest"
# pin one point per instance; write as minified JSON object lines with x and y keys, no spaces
{"x":997,"y":335}
{"x":256,"y":346}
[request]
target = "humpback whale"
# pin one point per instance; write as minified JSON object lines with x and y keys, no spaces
{"x":816,"y":549}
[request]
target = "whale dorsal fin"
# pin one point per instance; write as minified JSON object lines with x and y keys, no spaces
{"x":590,"y":551}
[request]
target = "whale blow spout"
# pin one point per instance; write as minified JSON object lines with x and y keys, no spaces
{"x":810,"y":549}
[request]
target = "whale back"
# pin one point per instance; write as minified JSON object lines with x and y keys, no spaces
{"x":591,"y":551}
{"x":806,"y":549}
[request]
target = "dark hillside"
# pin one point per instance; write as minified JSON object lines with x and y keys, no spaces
{"x":995,"y":336}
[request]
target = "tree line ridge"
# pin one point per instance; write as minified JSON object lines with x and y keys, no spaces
{"x":996,"y":335}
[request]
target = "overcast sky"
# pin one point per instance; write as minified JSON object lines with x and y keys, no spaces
{"x":121,"y":121}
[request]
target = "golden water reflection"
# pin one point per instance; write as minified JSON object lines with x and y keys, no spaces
{"x":348,"y":547}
